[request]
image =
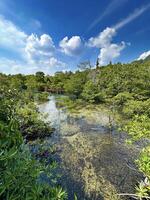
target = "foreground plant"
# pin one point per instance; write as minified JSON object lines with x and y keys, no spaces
{"x":139,"y":129}
{"x":20,"y":172}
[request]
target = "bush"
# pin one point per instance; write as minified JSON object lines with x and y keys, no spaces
{"x":138,"y":127}
{"x":91,"y":94}
{"x":132,"y":108}
{"x":31,"y":126}
{"x":20,"y":171}
{"x":144,"y":162}
{"x":121,"y":99}
{"x":41,"y":97}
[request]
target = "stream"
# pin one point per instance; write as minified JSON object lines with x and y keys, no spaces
{"x":94,"y":162}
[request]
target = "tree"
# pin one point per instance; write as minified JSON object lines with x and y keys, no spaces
{"x":97,"y":63}
{"x":31,"y":83}
{"x":75,"y":84}
{"x":91,"y":93}
{"x":84,"y":65}
{"x":40,"y":76}
{"x":17,"y":82}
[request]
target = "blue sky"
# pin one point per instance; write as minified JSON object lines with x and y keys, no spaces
{"x":56,"y":35}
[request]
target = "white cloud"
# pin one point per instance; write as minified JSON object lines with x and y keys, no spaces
{"x":50,"y":63}
{"x":10,"y":66}
{"x":103,"y":39}
{"x":35,"y":53}
{"x":40,"y":51}
{"x":72,"y":46}
{"x":108,"y":50}
{"x":11,"y":36}
{"x":39,"y":48}
{"x":144,"y":55}
{"x":54,"y":62}
{"x":114,"y":5}
{"x":136,"y":13}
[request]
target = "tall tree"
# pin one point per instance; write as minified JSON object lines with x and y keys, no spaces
{"x":97,"y":63}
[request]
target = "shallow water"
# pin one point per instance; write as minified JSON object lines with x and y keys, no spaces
{"x":94,"y":161}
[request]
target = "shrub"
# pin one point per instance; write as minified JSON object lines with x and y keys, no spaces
{"x":132,"y":108}
{"x":90,"y":93}
{"x":20,"y":171}
{"x":121,"y":99}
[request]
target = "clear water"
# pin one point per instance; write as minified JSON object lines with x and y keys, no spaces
{"x":95,"y":163}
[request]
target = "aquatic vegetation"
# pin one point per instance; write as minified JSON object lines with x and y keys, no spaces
{"x":93,"y":163}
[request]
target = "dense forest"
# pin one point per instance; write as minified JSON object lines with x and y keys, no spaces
{"x":123,"y":88}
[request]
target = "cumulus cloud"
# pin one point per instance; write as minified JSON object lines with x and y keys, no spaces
{"x":144,"y":55}
{"x":39,"y":48}
{"x":40,"y":51}
{"x":54,"y":62}
{"x":108,"y":50}
{"x":103,"y":39}
{"x":72,"y":46}
{"x":51,"y":62}
{"x":35,"y":53}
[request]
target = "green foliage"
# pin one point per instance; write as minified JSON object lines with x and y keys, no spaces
{"x":75,"y":84}
{"x":121,"y":99}
{"x":31,"y":125}
{"x":133,"y":107}
{"x":90,"y":93}
{"x":71,"y":104}
{"x":17,"y":82}
{"x":31,"y":83}
{"x":139,"y":127}
{"x":144,"y":162}
{"x":75,"y":197}
{"x":8,"y":100}
{"x":20,"y":171}
{"x":126,"y":87}
{"x":40,"y":76}
{"x":143,"y":189}
{"x":41,"y":97}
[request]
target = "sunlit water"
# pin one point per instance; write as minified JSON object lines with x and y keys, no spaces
{"x":95,"y":163}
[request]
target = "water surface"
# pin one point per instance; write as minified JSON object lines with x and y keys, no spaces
{"x":94,"y":161}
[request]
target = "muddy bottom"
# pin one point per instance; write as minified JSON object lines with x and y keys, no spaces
{"x":93,"y":160}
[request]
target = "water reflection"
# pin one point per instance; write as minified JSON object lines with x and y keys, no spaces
{"x":93,"y":162}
